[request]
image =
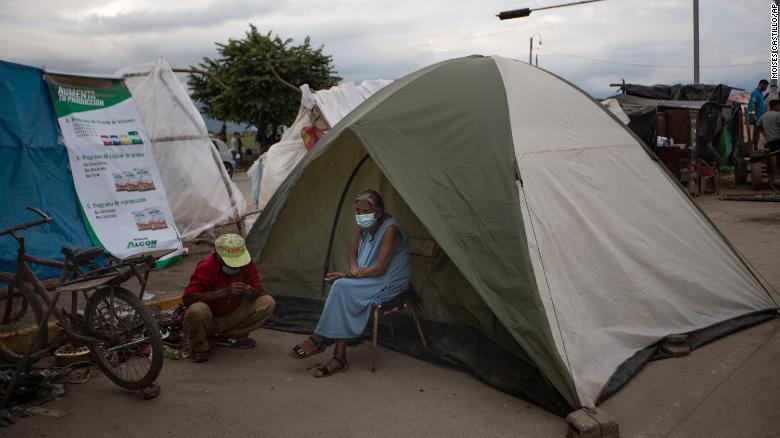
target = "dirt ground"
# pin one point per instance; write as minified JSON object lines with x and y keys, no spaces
{"x":729,"y":388}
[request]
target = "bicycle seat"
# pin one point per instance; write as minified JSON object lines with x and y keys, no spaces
{"x":80,"y":256}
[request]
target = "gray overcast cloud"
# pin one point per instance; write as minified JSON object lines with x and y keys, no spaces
{"x":373,"y":39}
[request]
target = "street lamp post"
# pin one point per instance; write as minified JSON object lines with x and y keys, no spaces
{"x":531,"y":49}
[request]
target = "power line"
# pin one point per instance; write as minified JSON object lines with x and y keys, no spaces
{"x":683,"y":55}
{"x":631,"y":64}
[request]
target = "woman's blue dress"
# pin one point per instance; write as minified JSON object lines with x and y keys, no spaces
{"x":348,"y":306}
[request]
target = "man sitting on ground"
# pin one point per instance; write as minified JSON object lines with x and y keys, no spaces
{"x":710,"y":155}
{"x":224,"y":299}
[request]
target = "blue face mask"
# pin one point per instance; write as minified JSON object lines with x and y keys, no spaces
{"x":230,"y":271}
{"x":365,"y":220}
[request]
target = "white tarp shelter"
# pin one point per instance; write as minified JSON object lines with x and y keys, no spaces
{"x":322,"y":108}
{"x":614,"y":107}
{"x":199,"y":189}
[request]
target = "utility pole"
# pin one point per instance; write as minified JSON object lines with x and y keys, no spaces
{"x":696,"y":42}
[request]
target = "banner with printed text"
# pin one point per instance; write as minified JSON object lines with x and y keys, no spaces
{"x":116,"y":177}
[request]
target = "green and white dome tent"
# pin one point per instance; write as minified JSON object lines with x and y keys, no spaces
{"x":564,"y":241}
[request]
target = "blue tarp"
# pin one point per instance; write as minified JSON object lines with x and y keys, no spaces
{"x":34,"y":170}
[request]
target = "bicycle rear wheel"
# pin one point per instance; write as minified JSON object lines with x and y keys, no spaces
{"x":21,"y":312}
{"x":129,"y":348}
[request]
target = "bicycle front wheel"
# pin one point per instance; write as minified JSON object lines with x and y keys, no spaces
{"x":129,"y":346}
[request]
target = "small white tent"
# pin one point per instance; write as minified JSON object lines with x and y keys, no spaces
{"x":199,"y":189}
{"x":322,"y":109}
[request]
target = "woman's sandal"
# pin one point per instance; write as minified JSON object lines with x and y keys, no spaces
{"x":298,"y":352}
{"x":325,"y":372}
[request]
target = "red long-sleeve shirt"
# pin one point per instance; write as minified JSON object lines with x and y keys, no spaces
{"x":208,"y":277}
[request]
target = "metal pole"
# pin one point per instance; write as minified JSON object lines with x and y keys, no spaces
{"x":696,"y":42}
{"x":531,"y":49}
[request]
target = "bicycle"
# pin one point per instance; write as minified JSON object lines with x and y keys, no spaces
{"x":119,"y":330}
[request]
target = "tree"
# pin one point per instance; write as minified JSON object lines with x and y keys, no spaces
{"x":256,"y":95}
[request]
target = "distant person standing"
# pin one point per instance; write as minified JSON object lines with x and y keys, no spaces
{"x":756,"y":107}
{"x":222,"y":134}
{"x":237,"y":146}
{"x":260,"y":141}
{"x":769,"y":125}
{"x":270,"y":140}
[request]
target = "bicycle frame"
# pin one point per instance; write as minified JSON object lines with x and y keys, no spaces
{"x":23,"y":271}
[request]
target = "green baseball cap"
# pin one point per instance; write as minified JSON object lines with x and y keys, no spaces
{"x":232,"y":249}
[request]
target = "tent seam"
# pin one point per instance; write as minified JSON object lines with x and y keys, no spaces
{"x":586,"y":148}
{"x":547,"y":283}
{"x":568,"y":381}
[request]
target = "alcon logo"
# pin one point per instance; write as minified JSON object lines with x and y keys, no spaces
{"x":142,"y":244}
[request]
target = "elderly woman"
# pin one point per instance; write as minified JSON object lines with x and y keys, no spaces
{"x":379,"y":270}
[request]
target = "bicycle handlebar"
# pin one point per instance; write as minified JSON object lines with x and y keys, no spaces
{"x":46,"y":219}
{"x":45,"y":216}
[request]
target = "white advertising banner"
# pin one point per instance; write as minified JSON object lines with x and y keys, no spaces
{"x":116,"y":178}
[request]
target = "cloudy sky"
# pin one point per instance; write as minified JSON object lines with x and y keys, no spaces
{"x":642,"y":41}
